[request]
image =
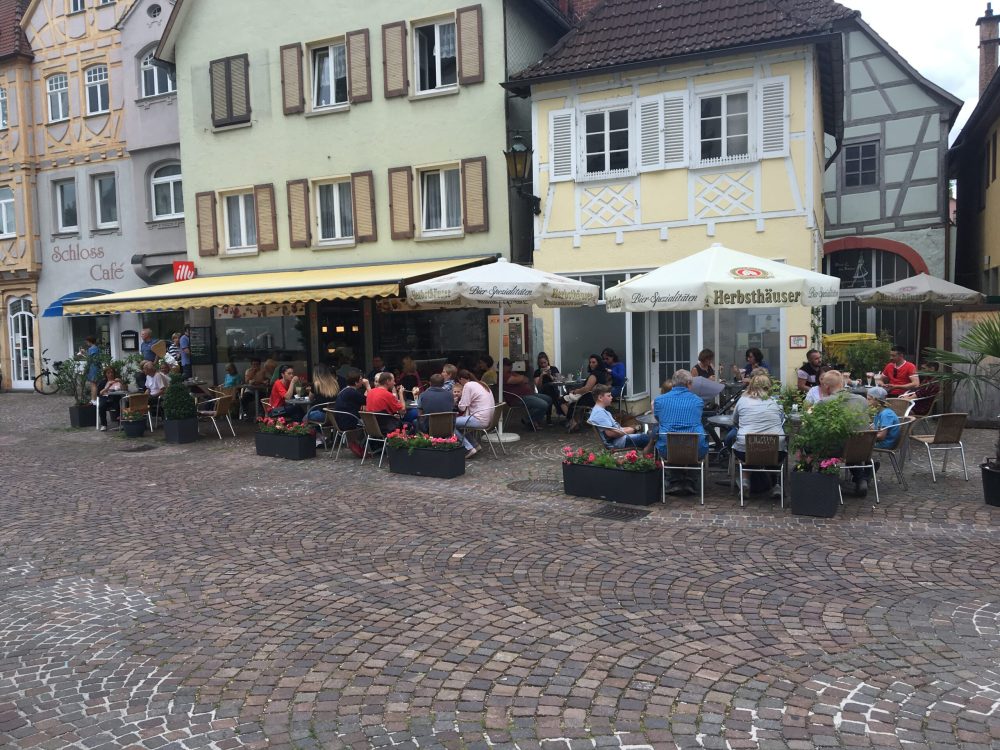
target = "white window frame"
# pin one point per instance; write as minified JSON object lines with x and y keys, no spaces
{"x":243,"y":196}
{"x":751,"y":115}
{"x":149,"y":63}
{"x":77,"y":6}
{"x":440,"y":170}
{"x":8,"y":223}
{"x":98,"y":80}
{"x":58,"y":94}
{"x":105,"y":2}
{"x":605,"y":108}
{"x":437,"y":24}
{"x":100,"y":221}
{"x":170,"y":181}
{"x":339,"y":238}
{"x":329,"y":47}
{"x":4,"y":112}
{"x":61,"y":228}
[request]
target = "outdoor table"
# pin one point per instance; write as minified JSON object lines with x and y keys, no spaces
{"x":860,"y":390}
{"x":647,"y":421}
{"x":109,"y":397}
{"x":258,"y":389}
{"x":716,"y":424}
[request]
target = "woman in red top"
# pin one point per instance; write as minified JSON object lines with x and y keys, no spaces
{"x":285,"y":384}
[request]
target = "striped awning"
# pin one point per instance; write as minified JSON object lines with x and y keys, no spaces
{"x":275,"y":287}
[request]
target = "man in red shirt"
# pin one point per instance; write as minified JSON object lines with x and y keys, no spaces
{"x":386,"y":399}
{"x":899,"y":375}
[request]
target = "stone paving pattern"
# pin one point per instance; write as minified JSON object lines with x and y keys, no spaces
{"x":202,"y":597}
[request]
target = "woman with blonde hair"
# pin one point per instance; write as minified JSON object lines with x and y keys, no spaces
{"x":758,"y":412}
{"x":325,"y":388}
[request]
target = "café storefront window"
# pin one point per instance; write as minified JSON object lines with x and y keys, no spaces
{"x":460,"y":335}
{"x":245,"y":332}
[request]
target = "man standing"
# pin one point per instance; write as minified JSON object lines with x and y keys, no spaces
{"x":146,"y":345}
{"x":185,"y":347}
{"x":378,"y":366}
{"x":899,"y":375}
{"x":679,"y":410}
{"x":386,"y":399}
{"x":613,"y":435}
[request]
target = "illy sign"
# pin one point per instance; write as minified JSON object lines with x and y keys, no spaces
{"x":183,"y":270}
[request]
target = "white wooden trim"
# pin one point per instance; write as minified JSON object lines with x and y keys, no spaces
{"x":773,"y":117}
{"x":810,"y":197}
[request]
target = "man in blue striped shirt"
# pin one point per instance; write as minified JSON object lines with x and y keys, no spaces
{"x":679,"y":410}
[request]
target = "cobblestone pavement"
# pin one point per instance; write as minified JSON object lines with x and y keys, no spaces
{"x":202,"y":597}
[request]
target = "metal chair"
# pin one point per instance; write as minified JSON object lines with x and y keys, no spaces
{"x":858,"y":455}
{"x":603,"y":441}
{"x":622,"y":400}
{"x":897,"y":454}
{"x":901,"y":406}
{"x":440,"y":424}
{"x":221,"y":408}
{"x":492,"y":426}
{"x":947,"y":436}
{"x":373,"y":434}
{"x":682,"y":452}
{"x":323,"y":425}
{"x":519,"y":405}
{"x":762,"y":455}
{"x":340,"y":435}
{"x":138,"y":402}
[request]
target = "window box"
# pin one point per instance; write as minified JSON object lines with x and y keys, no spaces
{"x":427,"y":462}
{"x":292,"y":447}
{"x":613,"y":485}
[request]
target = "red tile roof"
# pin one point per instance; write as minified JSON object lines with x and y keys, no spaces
{"x":12,"y":38}
{"x":619,"y":33}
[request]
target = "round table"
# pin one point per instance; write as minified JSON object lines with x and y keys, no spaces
{"x":721,"y":420}
{"x":647,"y":421}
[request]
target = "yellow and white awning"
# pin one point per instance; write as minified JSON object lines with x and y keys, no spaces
{"x":312,"y":285}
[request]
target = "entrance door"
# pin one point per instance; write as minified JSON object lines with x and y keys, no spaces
{"x":21,"y":324}
{"x":670,"y":334}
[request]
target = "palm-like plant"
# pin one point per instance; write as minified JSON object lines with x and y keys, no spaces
{"x":979,"y":368}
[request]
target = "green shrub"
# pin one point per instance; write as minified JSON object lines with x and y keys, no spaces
{"x":867,"y":356}
{"x":823,"y":432}
{"x":178,"y":403}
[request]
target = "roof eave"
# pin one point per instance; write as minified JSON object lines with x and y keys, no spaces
{"x":552,"y":13}
{"x":987,"y":110}
{"x":168,"y":42}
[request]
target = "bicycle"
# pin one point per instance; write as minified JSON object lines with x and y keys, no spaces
{"x":45,"y":381}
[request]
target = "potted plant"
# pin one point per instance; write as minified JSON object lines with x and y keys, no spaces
{"x":976,"y":365}
{"x":870,"y":355}
{"x":814,"y":484}
{"x":630,"y":478}
{"x":180,"y":413}
{"x":133,"y":423}
{"x":279,"y":438}
{"x":71,"y":380}
{"x":425,"y":456}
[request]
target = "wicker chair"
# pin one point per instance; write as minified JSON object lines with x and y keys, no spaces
{"x":440,"y":424}
{"x":139,"y":402}
{"x":218,"y":408}
{"x":858,"y":455}
{"x":603,"y":442}
{"x":897,"y":454}
{"x":373,"y":434}
{"x":762,"y":455}
{"x":340,"y":435}
{"x":682,"y":454}
{"x":901,"y":406}
{"x":947,"y":437}
{"x":492,"y":426}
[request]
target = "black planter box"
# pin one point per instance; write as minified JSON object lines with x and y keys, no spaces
{"x":83,"y":416}
{"x":814,"y":494}
{"x":180,"y":430}
{"x":615,"y":485}
{"x":293,"y":447}
{"x":991,"y":485}
{"x":134,"y":429}
{"x":427,"y":462}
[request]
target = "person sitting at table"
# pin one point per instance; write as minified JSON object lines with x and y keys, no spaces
{"x":899,"y":375}
{"x":475,"y":407}
{"x":597,"y":374}
{"x":704,"y":367}
{"x":269,"y":371}
{"x":520,"y":385}
{"x":825,"y":388}
{"x":378,"y":366}
{"x":437,"y":398}
{"x":613,"y":435}
{"x":679,"y":410}
{"x":758,"y":412}
{"x":155,"y":382}
{"x":110,"y":390}
{"x":923,"y":397}
{"x":808,"y":374}
{"x":351,"y":400}
{"x":449,"y":372}
{"x":755,"y":359}
{"x":325,"y":389}
{"x":544,"y":375}
{"x":386,"y":400}
{"x":886,"y":426}
{"x":283,"y":389}
{"x":616,"y":368}
{"x":486,"y":371}
{"x":232,"y":379}
{"x":409,"y":378}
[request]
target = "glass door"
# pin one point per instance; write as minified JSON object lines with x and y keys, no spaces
{"x":670,"y":336}
{"x":21,"y":324}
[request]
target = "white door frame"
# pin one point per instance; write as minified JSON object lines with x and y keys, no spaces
{"x":21,"y":329}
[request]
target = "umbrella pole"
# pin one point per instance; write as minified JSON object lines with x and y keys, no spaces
{"x":916,"y":354}
{"x":505,"y":437}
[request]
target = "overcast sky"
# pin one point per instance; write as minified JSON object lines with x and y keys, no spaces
{"x":937,"y":37}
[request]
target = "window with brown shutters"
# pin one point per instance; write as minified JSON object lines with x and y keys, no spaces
{"x":230,"y":83}
{"x":401,"y":203}
{"x":208,"y":235}
{"x":359,"y":65}
{"x":292,"y":91}
{"x":363,"y":195}
{"x":299,"y":229}
{"x":476,"y":215}
{"x":394,"y":65}
{"x":470,"y":45}
{"x":267,"y":220}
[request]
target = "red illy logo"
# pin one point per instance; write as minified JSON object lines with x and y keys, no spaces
{"x":183,"y":270}
{"x":748,"y":272}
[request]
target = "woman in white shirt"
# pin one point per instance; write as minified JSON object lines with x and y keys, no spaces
{"x":757,"y":412}
{"x":475,"y":406}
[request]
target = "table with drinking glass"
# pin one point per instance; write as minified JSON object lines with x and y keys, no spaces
{"x":649,"y":422}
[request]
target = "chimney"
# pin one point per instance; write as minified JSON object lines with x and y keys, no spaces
{"x":583,"y":7}
{"x":988,"y":41}
{"x":564,"y":7}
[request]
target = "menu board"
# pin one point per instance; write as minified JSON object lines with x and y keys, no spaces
{"x":201,"y":345}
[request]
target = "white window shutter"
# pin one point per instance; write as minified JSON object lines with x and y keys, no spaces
{"x":562,"y":141}
{"x":650,"y":133}
{"x":675,"y":130}
{"x":773,"y":117}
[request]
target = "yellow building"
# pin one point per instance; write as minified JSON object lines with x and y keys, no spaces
{"x":700,"y":129}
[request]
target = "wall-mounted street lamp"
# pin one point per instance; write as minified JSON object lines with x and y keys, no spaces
{"x":519,"y":170}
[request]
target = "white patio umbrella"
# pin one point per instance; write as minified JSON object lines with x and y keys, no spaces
{"x":920,"y":290}
{"x":499,"y":284}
